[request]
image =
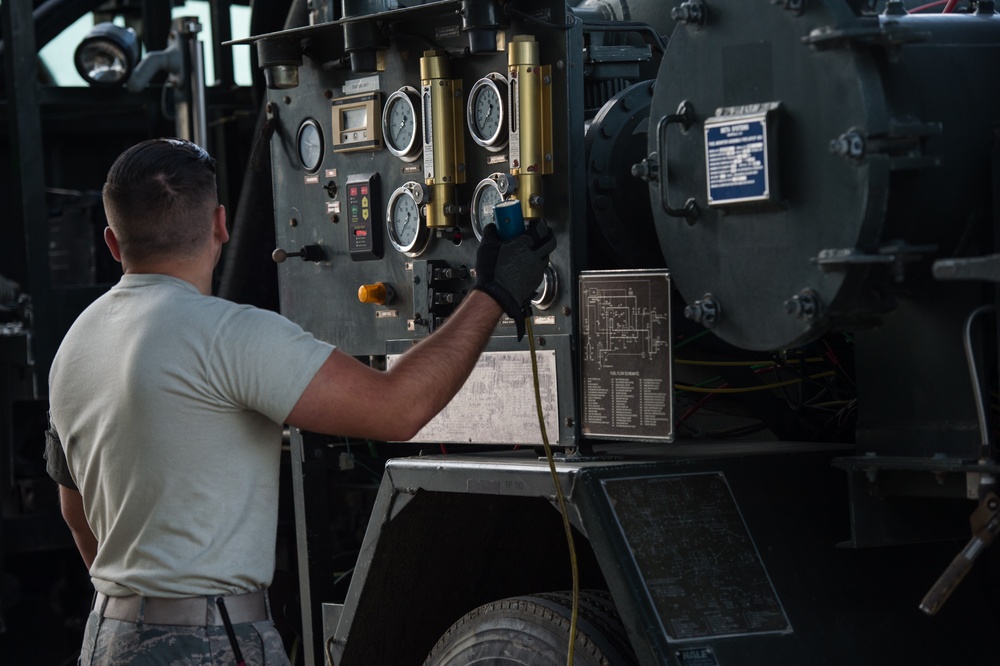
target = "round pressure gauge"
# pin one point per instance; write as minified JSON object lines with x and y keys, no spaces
{"x":484,"y":198}
{"x":406,"y":225}
{"x":401,"y":124}
{"x":486,"y":114}
{"x":310,"y":145}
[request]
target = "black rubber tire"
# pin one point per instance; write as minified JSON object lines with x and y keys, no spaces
{"x":534,"y":631}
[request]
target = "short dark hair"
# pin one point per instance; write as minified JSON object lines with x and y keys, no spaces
{"x":159,"y":197}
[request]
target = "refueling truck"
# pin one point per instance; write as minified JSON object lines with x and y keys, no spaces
{"x":753,"y":419}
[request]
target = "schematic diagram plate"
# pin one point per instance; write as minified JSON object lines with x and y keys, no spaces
{"x":700,"y":566}
{"x":625,"y":359}
{"x":496,"y":405}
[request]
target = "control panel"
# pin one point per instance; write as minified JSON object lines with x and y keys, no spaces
{"x":388,"y":166}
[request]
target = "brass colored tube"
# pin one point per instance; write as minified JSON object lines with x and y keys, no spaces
{"x":443,"y":143}
{"x":530,"y":152}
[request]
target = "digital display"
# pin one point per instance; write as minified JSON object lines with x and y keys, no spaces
{"x":356,"y":123}
{"x":355,"y":118}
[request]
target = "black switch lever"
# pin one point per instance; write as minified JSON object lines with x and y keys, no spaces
{"x":307,"y":252}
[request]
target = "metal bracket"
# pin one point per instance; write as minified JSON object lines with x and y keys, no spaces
{"x":985,"y":523}
{"x":895,"y":255}
{"x":888,"y":35}
{"x":970,"y":268}
{"x":902,"y":144}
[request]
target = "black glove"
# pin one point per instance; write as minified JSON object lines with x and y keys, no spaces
{"x":511,"y":271}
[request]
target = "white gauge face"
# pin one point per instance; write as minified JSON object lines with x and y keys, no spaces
{"x":486,"y":113}
{"x":487,"y":106}
{"x":399,"y":124}
{"x":405,"y":219}
{"x":407,"y":230}
{"x":485,"y":199}
{"x":310,"y":142}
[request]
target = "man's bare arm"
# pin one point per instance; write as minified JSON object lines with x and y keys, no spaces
{"x":346,"y":397}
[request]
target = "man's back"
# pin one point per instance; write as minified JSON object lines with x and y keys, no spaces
{"x":169,"y":404}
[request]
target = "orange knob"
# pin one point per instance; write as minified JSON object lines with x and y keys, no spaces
{"x":377,"y":293}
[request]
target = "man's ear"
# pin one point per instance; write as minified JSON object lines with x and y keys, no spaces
{"x":112,"y":242}
{"x":219,"y":224}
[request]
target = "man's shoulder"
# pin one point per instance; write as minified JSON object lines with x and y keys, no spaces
{"x":243,"y":319}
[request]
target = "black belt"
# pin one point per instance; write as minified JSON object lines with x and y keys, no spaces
{"x":187,"y":611}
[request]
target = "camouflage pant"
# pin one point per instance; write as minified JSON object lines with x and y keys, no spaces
{"x":108,"y":642}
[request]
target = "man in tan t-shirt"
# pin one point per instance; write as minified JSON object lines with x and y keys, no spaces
{"x":167,"y":406}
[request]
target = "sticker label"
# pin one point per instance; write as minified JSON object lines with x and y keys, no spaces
{"x":362,"y":85}
{"x":442,"y":33}
{"x":699,"y":656}
{"x":736,"y":157}
{"x":503,"y":381}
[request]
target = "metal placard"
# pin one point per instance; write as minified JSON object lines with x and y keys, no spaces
{"x":738,"y":155}
{"x":496,"y":405}
{"x":626,"y":355}
{"x":701,"y":569}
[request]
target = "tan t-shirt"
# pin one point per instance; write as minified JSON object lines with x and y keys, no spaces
{"x":169,"y":406}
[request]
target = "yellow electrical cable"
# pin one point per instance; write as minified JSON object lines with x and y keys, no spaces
{"x":559,"y":495}
{"x":749,"y":389}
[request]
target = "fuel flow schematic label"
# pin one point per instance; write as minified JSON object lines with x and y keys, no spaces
{"x":626,"y":366}
{"x":496,"y":405}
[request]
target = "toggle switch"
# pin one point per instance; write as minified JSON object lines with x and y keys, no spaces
{"x":307,"y":252}
{"x":378,"y":293}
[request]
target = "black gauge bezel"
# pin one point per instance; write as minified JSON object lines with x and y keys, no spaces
{"x":307,"y":165}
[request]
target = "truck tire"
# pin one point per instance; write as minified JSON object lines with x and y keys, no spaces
{"x":534,"y":631}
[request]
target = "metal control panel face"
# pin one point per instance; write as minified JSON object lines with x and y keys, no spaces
{"x":363,"y":216}
{"x":381,"y":172}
